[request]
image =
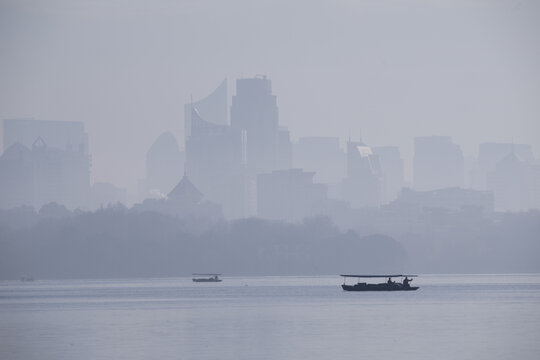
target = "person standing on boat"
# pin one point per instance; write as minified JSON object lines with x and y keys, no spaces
{"x":389,"y":282}
{"x":406,"y":282}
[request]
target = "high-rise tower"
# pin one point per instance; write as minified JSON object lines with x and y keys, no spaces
{"x":254,"y":115}
{"x":363,"y":185}
{"x":212,"y":108}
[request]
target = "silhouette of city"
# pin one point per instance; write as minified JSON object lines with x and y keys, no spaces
{"x":240,"y":163}
{"x":245,"y":165}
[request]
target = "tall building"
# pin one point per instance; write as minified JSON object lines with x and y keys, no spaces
{"x":489,"y":154}
{"x":363,"y":185}
{"x":63,"y":135}
{"x":392,"y":169}
{"x":515,"y":184}
{"x":164,"y":165}
{"x":214,"y":153}
{"x":284,"y":156}
{"x":42,"y":175}
{"x":438,"y":163}
{"x":52,"y":156}
{"x":16,"y":177}
{"x":212,"y":108}
{"x":254,"y":116}
{"x":263,"y":147}
{"x":213,"y":164}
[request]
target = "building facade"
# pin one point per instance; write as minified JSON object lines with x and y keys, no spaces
{"x":363,"y":185}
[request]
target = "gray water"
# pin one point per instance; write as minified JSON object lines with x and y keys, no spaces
{"x":449,"y":317}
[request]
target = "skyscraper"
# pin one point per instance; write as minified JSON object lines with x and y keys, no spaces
{"x":63,"y":135}
{"x":284,"y":157}
{"x":363,"y":185}
{"x":254,"y":116}
{"x":392,"y":169}
{"x":514,"y":183}
{"x":52,"y":156}
{"x":212,"y":108}
{"x":213,"y":164}
{"x":489,"y":154}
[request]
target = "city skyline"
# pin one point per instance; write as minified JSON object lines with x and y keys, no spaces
{"x":408,"y":170}
{"x":126,"y":73}
{"x":227,"y":164}
{"x":207,"y":179}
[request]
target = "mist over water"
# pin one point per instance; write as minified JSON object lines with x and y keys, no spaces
{"x":143,"y":142}
{"x":449,"y":317}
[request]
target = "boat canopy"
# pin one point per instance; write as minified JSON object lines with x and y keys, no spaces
{"x":378,"y":276}
{"x":197,"y":274}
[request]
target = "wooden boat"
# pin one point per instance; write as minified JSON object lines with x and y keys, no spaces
{"x":389,"y":285}
{"x":211,"y":278}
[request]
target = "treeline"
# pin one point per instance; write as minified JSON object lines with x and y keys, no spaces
{"x":117,"y":242}
{"x":463,"y":241}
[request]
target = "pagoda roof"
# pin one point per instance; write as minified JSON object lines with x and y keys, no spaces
{"x":185,"y":191}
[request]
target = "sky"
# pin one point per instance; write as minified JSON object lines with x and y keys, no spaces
{"x":382,"y":70}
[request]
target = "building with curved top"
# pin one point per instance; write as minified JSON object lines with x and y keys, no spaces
{"x":212,"y":108}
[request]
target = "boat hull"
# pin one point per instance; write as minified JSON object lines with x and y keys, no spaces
{"x":378,"y":287}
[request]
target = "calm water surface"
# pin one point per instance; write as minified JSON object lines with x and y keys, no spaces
{"x":449,"y":317}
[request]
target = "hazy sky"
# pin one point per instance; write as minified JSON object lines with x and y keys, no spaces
{"x":389,"y":70}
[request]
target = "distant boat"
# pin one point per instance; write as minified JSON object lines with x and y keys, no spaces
{"x":211,"y":278}
{"x":26,"y":278}
{"x":389,"y":285}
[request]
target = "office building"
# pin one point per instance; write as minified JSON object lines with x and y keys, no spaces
{"x":489,"y":154}
{"x":254,"y":116}
{"x":363,"y":185}
{"x":213,"y":164}
{"x":62,"y":135}
{"x":42,"y":175}
{"x":392,"y":171}
{"x":212,"y":108}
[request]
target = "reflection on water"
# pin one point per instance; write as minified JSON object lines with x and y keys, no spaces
{"x":449,"y":317}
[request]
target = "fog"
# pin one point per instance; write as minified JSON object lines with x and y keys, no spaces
{"x":383,"y":70}
{"x":414,"y":122}
{"x":115,"y":242}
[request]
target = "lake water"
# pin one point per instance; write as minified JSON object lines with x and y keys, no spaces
{"x":449,"y":317}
